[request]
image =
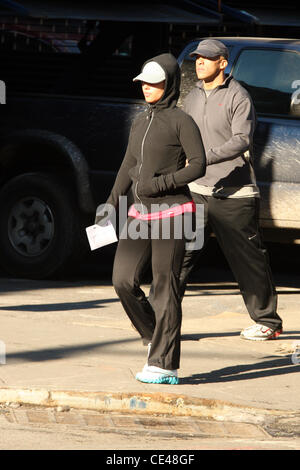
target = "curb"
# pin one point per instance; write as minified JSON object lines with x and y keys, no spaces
{"x":143,"y":403}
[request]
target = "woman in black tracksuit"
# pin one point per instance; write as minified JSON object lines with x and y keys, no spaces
{"x":161,"y":140}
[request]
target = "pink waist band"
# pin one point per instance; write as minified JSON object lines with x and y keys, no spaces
{"x":172,"y":212}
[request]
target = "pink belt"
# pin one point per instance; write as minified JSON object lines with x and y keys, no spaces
{"x":172,"y":212}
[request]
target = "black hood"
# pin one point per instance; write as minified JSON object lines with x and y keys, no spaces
{"x":172,"y":86}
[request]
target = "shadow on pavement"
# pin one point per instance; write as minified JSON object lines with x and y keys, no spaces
{"x":50,"y":354}
{"x":277,"y":366}
{"x":64,"y":306}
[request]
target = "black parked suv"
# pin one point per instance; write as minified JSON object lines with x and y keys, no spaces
{"x":270,"y":70}
{"x":70,"y":101}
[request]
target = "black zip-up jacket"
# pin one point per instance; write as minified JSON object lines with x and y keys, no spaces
{"x":160,"y":141}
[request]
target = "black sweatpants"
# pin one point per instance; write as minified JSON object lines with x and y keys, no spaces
{"x":235,"y":223}
{"x":160,"y":322}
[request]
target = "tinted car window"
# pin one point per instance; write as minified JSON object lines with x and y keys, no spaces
{"x":270,"y":76}
{"x":65,"y":58}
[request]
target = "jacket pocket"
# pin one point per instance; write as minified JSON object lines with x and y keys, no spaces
{"x":146,"y":187}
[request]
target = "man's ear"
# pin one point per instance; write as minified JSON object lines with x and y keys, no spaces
{"x":223,"y":63}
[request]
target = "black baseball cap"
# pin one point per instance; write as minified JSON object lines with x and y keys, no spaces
{"x":211,"y":48}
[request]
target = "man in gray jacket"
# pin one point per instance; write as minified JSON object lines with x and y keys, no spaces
{"x":224,"y":112}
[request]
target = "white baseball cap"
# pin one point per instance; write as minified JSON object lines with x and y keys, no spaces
{"x":152,"y":72}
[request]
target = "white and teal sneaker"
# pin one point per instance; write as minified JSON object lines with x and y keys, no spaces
{"x":156,"y":375}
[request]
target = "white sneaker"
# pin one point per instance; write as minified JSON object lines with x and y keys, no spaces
{"x":156,"y":375}
{"x":258,"y":332}
{"x":158,"y":370}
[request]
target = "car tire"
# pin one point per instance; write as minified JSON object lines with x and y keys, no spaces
{"x":39,"y":226}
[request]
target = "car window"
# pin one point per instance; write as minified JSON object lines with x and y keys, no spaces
{"x":67,"y":57}
{"x":188,"y":77}
{"x":271,"y":78}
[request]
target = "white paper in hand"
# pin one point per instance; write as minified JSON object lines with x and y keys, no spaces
{"x":101,"y":235}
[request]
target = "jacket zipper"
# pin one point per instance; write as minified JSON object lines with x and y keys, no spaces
{"x":205,"y":111}
{"x":142,"y":156}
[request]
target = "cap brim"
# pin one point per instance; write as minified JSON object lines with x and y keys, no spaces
{"x":138,"y":77}
{"x":146,"y":78}
{"x":206,"y":53}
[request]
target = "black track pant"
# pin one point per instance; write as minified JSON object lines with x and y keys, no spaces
{"x":160,"y":322}
{"x":235,"y":223}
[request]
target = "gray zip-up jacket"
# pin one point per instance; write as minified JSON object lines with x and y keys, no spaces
{"x":226,"y":120}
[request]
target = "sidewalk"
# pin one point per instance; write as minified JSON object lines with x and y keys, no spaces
{"x":70,"y":344}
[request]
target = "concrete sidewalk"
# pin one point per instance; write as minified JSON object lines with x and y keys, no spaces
{"x":71,"y":344}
